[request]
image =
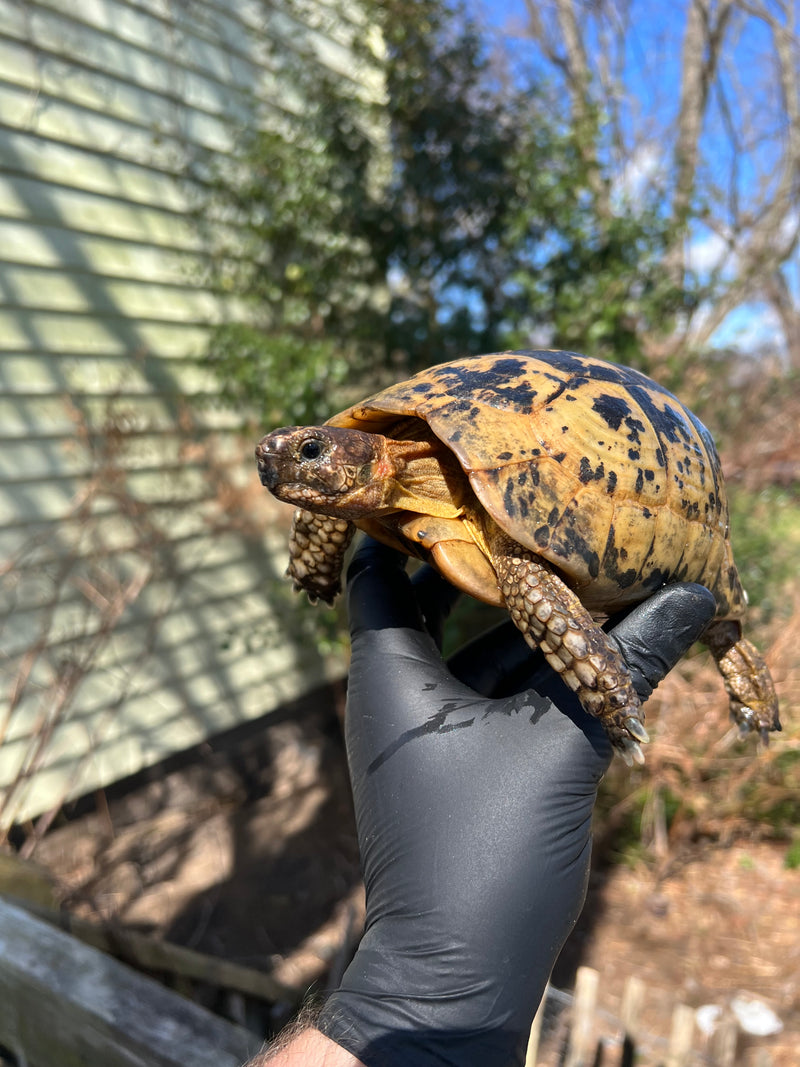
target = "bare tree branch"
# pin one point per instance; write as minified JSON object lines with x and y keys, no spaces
{"x":702,"y":41}
{"x":758,"y":218}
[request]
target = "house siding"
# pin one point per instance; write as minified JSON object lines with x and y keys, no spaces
{"x":141,"y":608}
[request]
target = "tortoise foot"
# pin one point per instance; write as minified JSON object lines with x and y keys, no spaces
{"x":552,"y":618}
{"x":317,"y":546}
{"x":751,"y":692}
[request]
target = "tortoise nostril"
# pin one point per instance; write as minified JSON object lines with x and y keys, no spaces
{"x":267,"y":468}
{"x":268,"y":475}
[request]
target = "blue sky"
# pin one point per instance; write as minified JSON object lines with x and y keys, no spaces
{"x":747,"y":99}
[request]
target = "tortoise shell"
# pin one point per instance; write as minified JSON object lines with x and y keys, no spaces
{"x":593,"y":466}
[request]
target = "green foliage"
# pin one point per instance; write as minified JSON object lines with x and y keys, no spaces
{"x":250,"y":359}
{"x":456,"y":216}
{"x":454,"y":140}
{"x":503,"y":232}
{"x":792,"y":858}
{"x":765,"y":533}
{"x":596,"y":282}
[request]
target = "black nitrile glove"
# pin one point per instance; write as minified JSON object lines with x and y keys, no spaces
{"x":474,"y":815}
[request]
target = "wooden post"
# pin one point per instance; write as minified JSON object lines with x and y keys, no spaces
{"x":724,"y":1040}
{"x":62,"y":1002}
{"x":681,"y":1037}
{"x":581,"y":1050}
{"x":532,"y":1055}
{"x":630,"y":1013}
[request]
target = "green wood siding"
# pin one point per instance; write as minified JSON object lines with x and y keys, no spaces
{"x":138,"y":603}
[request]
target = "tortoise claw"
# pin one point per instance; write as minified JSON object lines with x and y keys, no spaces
{"x":631,"y":751}
{"x":636,"y":729}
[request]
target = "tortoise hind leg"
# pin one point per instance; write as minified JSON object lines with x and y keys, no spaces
{"x":753,"y":702}
{"x":317,"y":546}
{"x":552,"y":618}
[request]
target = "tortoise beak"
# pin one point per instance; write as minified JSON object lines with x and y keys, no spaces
{"x":267,"y":465}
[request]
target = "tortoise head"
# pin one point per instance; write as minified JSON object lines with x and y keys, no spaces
{"x":326,"y":469}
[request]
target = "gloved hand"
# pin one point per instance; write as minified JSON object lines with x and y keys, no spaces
{"x":474,"y":784}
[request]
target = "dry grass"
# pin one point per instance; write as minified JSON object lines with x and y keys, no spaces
{"x":701,"y":780}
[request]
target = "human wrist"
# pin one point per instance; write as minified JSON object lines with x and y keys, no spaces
{"x":302,"y":1047}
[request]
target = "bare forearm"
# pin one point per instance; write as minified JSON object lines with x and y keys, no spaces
{"x":306,"y":1048}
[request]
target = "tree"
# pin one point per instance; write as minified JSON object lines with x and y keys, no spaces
{"x":504,"y":228}
{"x":457,"y":215}
{"x":721,"y":157}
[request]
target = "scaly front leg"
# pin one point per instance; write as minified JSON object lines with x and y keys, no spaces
{"x":552,"y":618}
{"x":317,"y":545}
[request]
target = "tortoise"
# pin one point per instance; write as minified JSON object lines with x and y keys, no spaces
{"x":564,"y":487}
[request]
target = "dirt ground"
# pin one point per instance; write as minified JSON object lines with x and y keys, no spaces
{"x":247,"y":851}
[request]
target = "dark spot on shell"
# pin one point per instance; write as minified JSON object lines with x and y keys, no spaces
{"x":499,"y":382}
{"x":422,"y":387}
{"x":612,"y":409}
{"x":542,"y":536}
{"x":660,"y":460}
{"x":633,"y":454}
{"x":552,"y":518}
{"x":639,"y":479}
{"x":505,"y":455}
{"x":510,"y":500}
{"x":572,"y":545}
{"x":612,"y":482}
{"x":649,"y":475}
{"x":586,"y":474}
{"x":635,"y":428}
{"x":611,"y":560}
{"x":656,"y":579}
{"x":522,"y":477}
{"x":560,"y":457}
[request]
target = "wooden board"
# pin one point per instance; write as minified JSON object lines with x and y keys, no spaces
{"x":64,"y":1003}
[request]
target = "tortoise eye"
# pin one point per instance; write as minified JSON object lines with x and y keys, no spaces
{"x":310,"y":449}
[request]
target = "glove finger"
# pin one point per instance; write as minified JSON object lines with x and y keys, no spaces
{"x":652,"y":638}
{"x":497,"y":662}
{"x":658,"y":632}
{"x":436,"y":598}
{"x":379,"y":594}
